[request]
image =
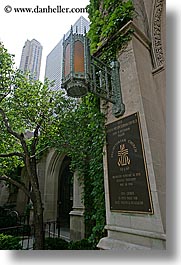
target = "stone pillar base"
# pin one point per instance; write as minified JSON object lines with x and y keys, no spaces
{"x":107,"y":243}
{"x":120,"y":238}
{"x":77,"y":226}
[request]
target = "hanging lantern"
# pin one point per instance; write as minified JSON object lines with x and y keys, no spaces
{"x":83,"y":73}
{"x":76,"y":64}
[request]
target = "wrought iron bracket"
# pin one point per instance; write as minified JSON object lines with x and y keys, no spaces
{"x":105,"y":83}
{"x":118,"y":106}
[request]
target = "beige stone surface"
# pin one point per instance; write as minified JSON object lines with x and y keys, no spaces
{"x":143,"y":91}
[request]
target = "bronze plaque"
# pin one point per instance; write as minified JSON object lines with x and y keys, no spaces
{"x":129,"y":189}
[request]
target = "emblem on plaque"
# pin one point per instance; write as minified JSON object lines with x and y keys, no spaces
{"x":123,"y":156}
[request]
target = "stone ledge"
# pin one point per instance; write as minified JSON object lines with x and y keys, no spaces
{"x":142,"y":233}
{"x":158,"y":70}
{"x":77,"y":212}
{"x":114,"y":244}
{"x":137,"y":33}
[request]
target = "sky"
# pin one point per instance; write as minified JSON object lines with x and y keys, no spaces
{"x":47,"y":28}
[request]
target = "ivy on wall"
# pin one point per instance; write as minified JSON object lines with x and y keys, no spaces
{"x":81,"y":136}
{"x":107,"y":17}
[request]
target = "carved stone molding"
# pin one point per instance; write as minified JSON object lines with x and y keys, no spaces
{"x":157,"y":48}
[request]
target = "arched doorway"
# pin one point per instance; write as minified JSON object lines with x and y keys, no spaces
{"x":62,"y":196}
{"x":65,"y":194}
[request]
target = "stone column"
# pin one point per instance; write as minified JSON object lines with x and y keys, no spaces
{"x":77,"y":226}
{"x":140,"y":230}
{"x":4,"y":193}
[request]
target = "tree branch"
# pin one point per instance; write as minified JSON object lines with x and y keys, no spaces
{"x":2,"y":96}
{"x":15,"y":134}
{"x":35,"y":140}
{"x":17,"y":184}
{"x":42,"y":150}
{"x":8,"y":127}
{"x":12,"y":154}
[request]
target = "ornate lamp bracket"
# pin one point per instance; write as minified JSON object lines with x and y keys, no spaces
{"x":118,"y":106}
{"x":83,"y":73}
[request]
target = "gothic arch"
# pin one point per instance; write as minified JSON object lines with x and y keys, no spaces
{"x":157,"y":32}
{"x":53,"y":165}
{"x":65,"y":193}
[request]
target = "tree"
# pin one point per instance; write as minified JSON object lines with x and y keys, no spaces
{"x":30,"y":106}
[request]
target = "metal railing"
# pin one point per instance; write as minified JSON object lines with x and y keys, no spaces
{"x":25,"y":231}
{"x":18,"y":226}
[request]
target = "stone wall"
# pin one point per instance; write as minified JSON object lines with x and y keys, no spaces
{"x":142,"y":74}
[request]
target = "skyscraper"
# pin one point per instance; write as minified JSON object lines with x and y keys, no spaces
{"x":31,"y":58}
{"x":53,"y":70}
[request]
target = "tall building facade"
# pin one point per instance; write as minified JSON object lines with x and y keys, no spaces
{"x":53,"y":70}
{"x":31,"y":58}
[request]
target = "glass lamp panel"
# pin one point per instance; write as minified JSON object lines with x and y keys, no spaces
{"x":67,"y":60}
{"x":78,"y":57}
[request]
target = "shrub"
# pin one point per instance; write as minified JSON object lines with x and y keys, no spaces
{"x":61,"y":244}
{"x":56,"y":244}
{"x":8,"y":242}
{"x":83,"y":244}
{"x":8,"y":221}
